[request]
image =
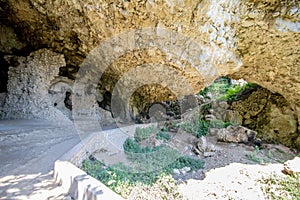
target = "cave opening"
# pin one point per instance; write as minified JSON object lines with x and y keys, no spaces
{"x":226,"y":102}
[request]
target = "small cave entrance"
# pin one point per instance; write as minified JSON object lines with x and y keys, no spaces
{"x":68,"y":100}
{"x":105,"y":103}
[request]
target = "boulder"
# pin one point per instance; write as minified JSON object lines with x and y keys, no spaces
{"x":292,"y":167}
{"x":238,"y":134}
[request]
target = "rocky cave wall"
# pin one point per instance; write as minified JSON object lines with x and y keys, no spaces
{"x":257,"y":40}
{"x":28,"y":84}
{"x":273,"y":118}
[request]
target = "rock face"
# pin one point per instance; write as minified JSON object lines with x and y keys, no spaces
{"x":257,"y":40}
{"x":266,"y":34}
{"x":270,"y":114}
{"x":28,"y":85}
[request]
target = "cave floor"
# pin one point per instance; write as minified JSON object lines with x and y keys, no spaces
{"x":28,"y":150}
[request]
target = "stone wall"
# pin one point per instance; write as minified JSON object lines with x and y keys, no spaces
{"x":28,"y":86}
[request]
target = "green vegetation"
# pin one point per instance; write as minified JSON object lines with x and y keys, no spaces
{"x":222,"y":89}
{"x":217,"y":88}
{"x":117,"y":177}
{"x":162,"y":135}
{"x":144,"y":133}
{"x":282,"y":187}
{"x":161,"y":157}
{"x":257,"y":157}
{"x":233,"y":92}
{"x":216,"y":123}
{"x":150,"y":167}
{"x":196,"y":127}
{"x":185,"y":161}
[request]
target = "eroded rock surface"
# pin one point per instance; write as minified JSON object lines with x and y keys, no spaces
{"x":269,"y":114}
{"x":28,"y":85}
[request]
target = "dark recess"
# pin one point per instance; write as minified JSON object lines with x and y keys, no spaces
{"x":3,"y":73}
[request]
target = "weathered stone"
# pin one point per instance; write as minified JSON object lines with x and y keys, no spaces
{"x":265,"y":47}
{"x":60,"y":94}
{"x":2,"y":99}
{"x":234,"y":117}
{"x":269,"y":114}
{"x":28,"y":86}
{"x":292,"y":167}
{"x":237,"y":134}
{"x":9,"y":40}
{"x":202,"y":144}
{"x":297,"y":142}
{"x":209,"y":117}
{"x":176,"y":171}
{"x":185,"y":170}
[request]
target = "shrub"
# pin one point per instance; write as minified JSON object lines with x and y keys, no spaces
{"x":198,"y":128}
{"x":222,"y":89}
{"x":122,"y":179}
{"x":216,"y":123}
{"x":233,"y":93}
{"x":217,"y":88}
{"x":186,"y":161}
{"x":163,"y":136}
{"x":131,"y":145}
{"x":144,"y":133}
{"x":202,"y":128}
{"x":149,"y":166}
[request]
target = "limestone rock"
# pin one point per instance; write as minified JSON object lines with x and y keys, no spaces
{"x":201,"y":144}
{"x":9,"y":40}
{"x":292,"y":167}
{"x":237,"y":134}
{"x":234,"y":117}
{"x":209,"y":154}
{"x":28,"y":86}
{"x":274,"y":118}
{"x":203,"y":147}
{"x":209,"y":117}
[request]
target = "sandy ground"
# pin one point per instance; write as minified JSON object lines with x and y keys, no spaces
{"x":235,"y":170}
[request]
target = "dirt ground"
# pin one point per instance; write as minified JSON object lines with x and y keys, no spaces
{"x":234,"y":170}
{"x":231,"y":170}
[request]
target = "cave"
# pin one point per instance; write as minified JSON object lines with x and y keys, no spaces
{"x":133,"y":69}
{"x":108,"y":64}
{"x":162,"y":63}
